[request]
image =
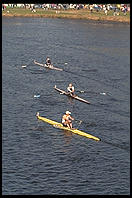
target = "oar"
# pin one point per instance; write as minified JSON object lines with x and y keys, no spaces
{"x":80,"y":121}
{"x":62,"y":63}
{"x":24,"y":66}
{"x":36,"y":96}
{"x":65,"y":93}
{"x":103,"y":93}
{"x":81,"y":91}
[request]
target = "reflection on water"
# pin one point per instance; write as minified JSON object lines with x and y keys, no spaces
{"x":67,"y":137}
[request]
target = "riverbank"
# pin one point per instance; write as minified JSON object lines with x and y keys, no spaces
{"x":71,"y":14}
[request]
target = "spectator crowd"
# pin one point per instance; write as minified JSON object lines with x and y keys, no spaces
{"x":92,"y":7}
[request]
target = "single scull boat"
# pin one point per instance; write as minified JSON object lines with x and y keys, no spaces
{"x":60,"y":126}
{"x":49,"y":67}
{"x":67,"y":94}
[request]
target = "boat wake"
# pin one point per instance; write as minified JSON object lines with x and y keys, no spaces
{"x":116,"y":145}
{"x":74,"y":73}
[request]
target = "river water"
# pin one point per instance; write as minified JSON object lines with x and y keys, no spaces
{"x":38,"y":159}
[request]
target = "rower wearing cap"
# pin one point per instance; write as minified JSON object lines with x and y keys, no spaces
{"x":48,"y":61}
{"x":66,"y":119}
{"x":71,"y":89}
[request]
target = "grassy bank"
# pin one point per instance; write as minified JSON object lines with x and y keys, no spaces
{"x":71,"y":14}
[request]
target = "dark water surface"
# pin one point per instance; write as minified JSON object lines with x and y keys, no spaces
{"x":38,"y":159}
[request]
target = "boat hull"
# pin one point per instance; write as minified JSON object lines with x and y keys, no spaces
{"x":75,"y":97}
{"x":60,"y":126}
{"x":49,"y":67}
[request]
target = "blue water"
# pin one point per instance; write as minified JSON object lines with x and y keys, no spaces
{"x":38,"y":159}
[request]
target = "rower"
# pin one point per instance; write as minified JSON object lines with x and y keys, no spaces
{"x":66,"y":120}
{"x":71,"y":89}
{"x":48,"y":61}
